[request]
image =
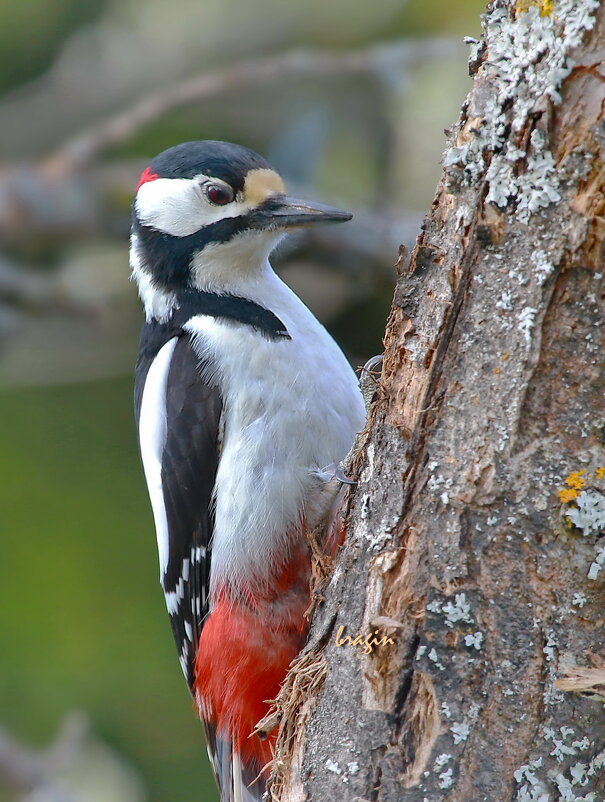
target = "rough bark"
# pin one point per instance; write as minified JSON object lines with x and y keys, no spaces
{"x":472,"y":534}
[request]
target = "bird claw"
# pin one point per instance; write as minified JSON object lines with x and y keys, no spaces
{"x":345,"y":480}
{"x":334,"y":471}
{"x":372,"y":363}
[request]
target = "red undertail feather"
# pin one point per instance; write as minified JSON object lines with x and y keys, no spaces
{"x":243,"y":655}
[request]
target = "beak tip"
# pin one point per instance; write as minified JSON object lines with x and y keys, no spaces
{"x":339,"y":216}
{"x":288,"y":212}
{"x":328,"y":214}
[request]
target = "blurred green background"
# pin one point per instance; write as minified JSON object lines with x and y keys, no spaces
{"x":92,"y":701}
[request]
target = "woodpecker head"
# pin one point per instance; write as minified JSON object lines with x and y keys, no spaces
{"x":207,"y":215}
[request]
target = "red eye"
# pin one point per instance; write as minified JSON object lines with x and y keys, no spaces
{"x":219,"y":194}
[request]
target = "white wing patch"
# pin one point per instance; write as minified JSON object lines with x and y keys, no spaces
{"x":152,"y":438}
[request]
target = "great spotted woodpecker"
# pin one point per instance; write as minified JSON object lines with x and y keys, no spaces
{"x":243,"y":402}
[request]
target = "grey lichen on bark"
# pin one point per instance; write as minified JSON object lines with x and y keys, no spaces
{"x":473,"y":532}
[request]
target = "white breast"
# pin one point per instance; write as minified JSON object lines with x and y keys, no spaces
{"x":291,"y":408}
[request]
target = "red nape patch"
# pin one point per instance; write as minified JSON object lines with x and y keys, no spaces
{"x":146,"y":176}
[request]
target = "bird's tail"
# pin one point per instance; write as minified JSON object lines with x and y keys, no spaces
{"x":238,"y":779}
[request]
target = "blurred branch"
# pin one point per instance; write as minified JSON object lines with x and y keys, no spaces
{"x":66,"y":192}
{"x":23,"y":287}
{"x":77,"y":766}
{"x":23,"y":769}
{"x":63,"y":193}
{"x":384,"y":60}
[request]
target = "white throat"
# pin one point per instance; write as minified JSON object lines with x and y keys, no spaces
{"x":231,"y":266}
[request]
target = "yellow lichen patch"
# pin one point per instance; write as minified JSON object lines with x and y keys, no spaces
{"x":546,"y":6}
{"x":567,"y":495}
{"x":575,"y":482}
{"x":600,"y":473}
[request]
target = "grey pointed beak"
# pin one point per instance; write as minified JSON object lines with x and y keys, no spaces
{"x":281,"y":211}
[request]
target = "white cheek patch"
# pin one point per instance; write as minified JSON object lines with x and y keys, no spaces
{"x":178,"y":206}
{"x":172,"y":205}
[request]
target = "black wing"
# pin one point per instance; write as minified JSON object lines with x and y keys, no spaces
{"x":189,"y":460}
{"x":189,"y":464}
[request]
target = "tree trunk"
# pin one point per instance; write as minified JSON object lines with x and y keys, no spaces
{"x":472,"y":534}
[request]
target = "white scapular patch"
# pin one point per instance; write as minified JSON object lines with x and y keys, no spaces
{"x":291,"y":408}
{"x":152,"y":437}
{"x":178,"y":206}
